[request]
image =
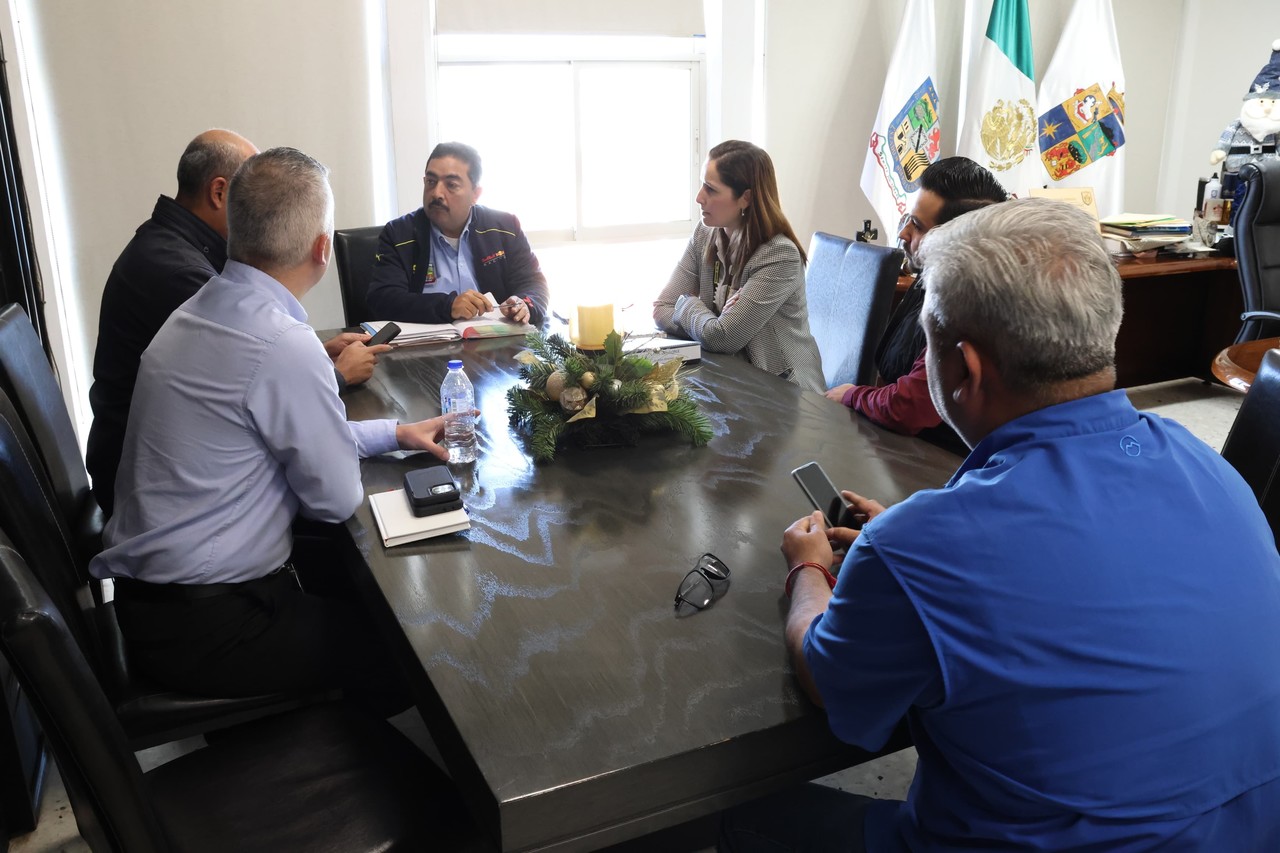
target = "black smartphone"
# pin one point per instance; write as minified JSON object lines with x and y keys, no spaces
{"x":385,"y":335}
{"x":815,"y":483}
{"x":431,"y":490}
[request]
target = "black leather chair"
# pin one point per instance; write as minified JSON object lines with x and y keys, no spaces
{"x":849,"y":287}
{"x":151,"y":715}
{"x":25,"y":375}
{"x":1257,"y":239}
{"x":355,"y":249}
{"x":324,"y":778}
{"x":1253,"y":445}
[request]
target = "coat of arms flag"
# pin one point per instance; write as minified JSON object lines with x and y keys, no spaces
{"x":1081,"y":107}
{"x":907,"y":136}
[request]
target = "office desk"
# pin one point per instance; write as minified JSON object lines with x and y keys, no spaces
{"x":1178,"y":314}
{"x":572,"y":705}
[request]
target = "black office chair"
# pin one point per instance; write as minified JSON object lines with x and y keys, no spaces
{"x":324,"y":778}
{"x":849,"y":287}
{"x":150,"y":714}
{"x":355,"y":249}
{"x":1257,"y":239}
{"x":25,"y":375}
{"x":1253,"y":445}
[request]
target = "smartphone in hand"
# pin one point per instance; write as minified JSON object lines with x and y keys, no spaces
{"x":385,"y":335}
{"x":815,"y":483}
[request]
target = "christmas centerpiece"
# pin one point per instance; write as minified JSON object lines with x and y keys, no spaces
{"x":598,"y":398}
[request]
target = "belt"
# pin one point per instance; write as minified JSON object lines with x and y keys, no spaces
{"x":130,"y":589}
{"x":1269,"y":148}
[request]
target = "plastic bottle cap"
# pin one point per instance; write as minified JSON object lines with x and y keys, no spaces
{"x":455,"y":363}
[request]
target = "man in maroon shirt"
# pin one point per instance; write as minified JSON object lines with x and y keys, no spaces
{"x":949,"y":188}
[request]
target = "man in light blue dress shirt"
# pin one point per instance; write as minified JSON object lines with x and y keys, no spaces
{"x":235,"y":428}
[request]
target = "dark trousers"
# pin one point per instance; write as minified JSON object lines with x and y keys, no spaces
{"x":266,"y":636}
{"x":809,"y":818}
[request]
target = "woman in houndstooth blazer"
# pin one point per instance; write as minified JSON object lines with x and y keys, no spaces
{"x":740,"y":286}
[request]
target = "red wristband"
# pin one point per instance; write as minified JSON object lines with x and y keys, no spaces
{"x":808,"y":564}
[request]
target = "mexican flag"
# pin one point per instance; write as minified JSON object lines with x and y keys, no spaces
{"x":999,"y":129}
{"x":907,"y":134}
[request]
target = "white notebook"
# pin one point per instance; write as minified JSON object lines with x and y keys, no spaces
{"x":398,"y":524}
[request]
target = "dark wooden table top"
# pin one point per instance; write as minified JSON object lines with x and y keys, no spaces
{"x":571,"y":703}
{"x":1238,"y":364}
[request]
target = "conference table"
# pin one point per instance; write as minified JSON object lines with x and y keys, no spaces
{"x":571,"y":702}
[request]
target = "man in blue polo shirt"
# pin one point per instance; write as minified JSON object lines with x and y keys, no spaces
{"x":1082,"y":628}
{"x":442,"y":262}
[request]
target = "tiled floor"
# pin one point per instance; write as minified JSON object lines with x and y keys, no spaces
{"x":1208,"y":410}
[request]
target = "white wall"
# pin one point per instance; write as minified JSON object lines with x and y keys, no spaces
{"x":125,"y":85}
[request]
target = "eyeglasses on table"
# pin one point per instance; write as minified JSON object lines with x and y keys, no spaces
{"x":699,"y":587}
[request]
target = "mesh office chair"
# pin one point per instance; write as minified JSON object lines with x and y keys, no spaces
{"x":355,"y":249}
{"x":321,"y":779}
{"x":1253,"y":445}
{"x":1257,"y":230}
{"x":849,"y":287}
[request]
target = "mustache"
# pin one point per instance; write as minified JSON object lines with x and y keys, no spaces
{"x":438,"y":203}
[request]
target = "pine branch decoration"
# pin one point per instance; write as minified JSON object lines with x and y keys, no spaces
{"x":608,"y":398}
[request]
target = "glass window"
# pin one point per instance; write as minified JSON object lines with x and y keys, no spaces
{"x":578,"y":146}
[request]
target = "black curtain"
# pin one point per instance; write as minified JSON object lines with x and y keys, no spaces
{"x":19,"y":274}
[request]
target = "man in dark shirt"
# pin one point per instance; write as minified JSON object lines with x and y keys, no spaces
{"x":949,"y":188}
{"x":171,"y":256}
{"x":443,"y":261}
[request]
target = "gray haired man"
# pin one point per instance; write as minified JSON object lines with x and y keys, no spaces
{"x":1078,"y":627}
{"x":236,"y":428}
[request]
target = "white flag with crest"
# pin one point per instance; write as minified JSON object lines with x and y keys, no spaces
{"x":1081,"y":108}
{"x":999,"y":98}
{"x":907,"y":135}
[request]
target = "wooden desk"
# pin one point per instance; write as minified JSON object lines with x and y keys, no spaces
{"x":1238,"y":364}
{"x":1178,"y":314}
{"x":570,"y":703}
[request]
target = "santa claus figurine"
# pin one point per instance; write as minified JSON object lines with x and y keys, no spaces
{"x":1254,"y":135}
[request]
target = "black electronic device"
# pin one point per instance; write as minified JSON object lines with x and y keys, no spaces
{"x":815,"y":483}
{"x":385,"y":335}
{"x":431,"y":490}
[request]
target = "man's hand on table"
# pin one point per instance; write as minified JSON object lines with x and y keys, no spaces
{"x":837,"y":393}
{"x":470,"y":304}
{"x":515,"y":309}
{"x":425,"y":435}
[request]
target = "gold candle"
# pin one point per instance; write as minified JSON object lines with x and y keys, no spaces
{"x":595,"y":322}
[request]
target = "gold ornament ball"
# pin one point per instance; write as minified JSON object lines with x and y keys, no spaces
{"x":555,"y":384}
{"x":588,"y":379}
{"x":573,"y":399}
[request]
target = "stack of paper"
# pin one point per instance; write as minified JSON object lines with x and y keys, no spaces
{"x":398,"y":524}
{"x":488,"y":325}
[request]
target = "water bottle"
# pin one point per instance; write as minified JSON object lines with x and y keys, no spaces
{"x":457,"y":403}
